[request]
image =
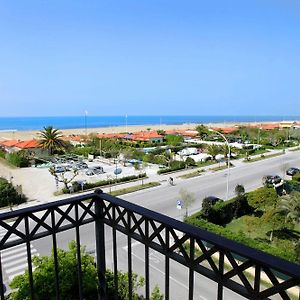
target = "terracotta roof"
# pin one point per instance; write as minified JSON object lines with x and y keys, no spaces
{"x":146,"y":135}
{"x":111,"y":135}
{"x":75,"y":138}
{"x":266,"y":126}
{"x":226,"y":130}
{"x":9,"y":143}
{"x":191,"y":133}
{"x":28,"y":144}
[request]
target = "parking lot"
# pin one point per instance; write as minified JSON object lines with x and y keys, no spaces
{"x":38,"y":184}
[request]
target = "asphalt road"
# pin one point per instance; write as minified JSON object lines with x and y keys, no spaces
{"x":163,"y":199}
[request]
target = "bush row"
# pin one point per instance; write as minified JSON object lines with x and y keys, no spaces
{"x":77,"y":187}
{"x":174,"y":166}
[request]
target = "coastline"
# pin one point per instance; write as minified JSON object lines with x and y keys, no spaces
{"x":33,"y":134}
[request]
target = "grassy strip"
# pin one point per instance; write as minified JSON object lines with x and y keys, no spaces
{"x":134,"y":188}
{"x":263,"y":157}
{"x":221,"y":168}
{"x":205,"y":163}
{"x":192,"y":174}
{"x":295,"y":149}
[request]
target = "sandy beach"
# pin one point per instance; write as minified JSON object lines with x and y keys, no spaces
{"x":26,"y":135}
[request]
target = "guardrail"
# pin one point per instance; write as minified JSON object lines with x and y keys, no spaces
{"x":223,"y":261}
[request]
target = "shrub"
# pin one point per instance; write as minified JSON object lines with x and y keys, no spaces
{"x":296,"y":177}
{"x":9,"y":195}
{"x":292,"y":185}
{"x":2,"y":153}
{"x":223,"y":212}
{"x":262,"y":197}
{"x":190,"y":162}
{"x":18,"y":159}
{"x":174,"y":166}
{"x":208,"y":203}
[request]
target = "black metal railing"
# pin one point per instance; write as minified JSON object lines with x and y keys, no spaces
{"x":243,"y":270}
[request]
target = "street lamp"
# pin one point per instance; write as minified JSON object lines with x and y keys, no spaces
{"x":228,"y":163}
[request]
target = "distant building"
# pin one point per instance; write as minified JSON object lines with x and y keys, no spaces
{"x":287,"y":124}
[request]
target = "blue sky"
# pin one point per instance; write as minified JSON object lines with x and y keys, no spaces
{"x":141,"y":57}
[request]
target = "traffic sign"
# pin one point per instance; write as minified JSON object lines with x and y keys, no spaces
{"x":179,"y":204}
{"x":118,"y":171}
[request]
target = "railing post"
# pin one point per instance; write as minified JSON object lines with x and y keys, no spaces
{"x":100,"y":244}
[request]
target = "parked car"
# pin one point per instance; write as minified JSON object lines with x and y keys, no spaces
{"x":94,"y":171}
{"x":59,"y":169}
{"x":81,"y":165}
{"x":271,"y":179}
{"x":98,"y":169}
{"x":292,"y":171}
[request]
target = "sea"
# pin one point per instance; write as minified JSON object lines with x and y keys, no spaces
{"x":87,"y":121}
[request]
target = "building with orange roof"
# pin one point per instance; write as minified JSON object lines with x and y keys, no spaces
{"x":226,"y":130}
{"x":8,"y":145}
{"x":31,"y":146}
{"x":112,"y":135}
{"x":147,"y":136}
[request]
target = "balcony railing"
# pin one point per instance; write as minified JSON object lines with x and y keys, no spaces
{"x":250,"y":273}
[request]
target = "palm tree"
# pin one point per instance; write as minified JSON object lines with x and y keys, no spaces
{"x":50,"y":139}
{"x":213,"y":150}
{"x":202,"y":131}
{"x":291,"y":206}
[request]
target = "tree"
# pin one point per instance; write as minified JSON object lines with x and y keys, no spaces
{"x":126,"y":154}
{"x":188,"y":199}
{"x":173,"y":139}
{"x":290,"y":204}
{"x":51,"y":139}
{"x":156,"y":295}
{"x":239,"y":190}
{"x":44,"y":278}
{"x":61,"y":177}
{"x":213,"y":150}
{"x":202,"y":131}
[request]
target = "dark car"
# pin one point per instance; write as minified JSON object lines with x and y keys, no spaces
{"x":271,"y":179}
{"x":292,"y":171}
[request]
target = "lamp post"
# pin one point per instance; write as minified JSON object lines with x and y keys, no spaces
{"x":85,"y":122}
{"x":228,"y":162}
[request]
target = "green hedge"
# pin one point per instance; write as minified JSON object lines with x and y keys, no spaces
{"x":240,"y":237}
{"x":87,"y":186}
{"x":222,"y":213}
{"x":174,"y":166}
{"x":296,"y":177}
{"x":262,"y":197}
{"x":17,"y":159}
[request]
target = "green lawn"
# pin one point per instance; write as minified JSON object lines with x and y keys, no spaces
{"x":251,"y":226}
